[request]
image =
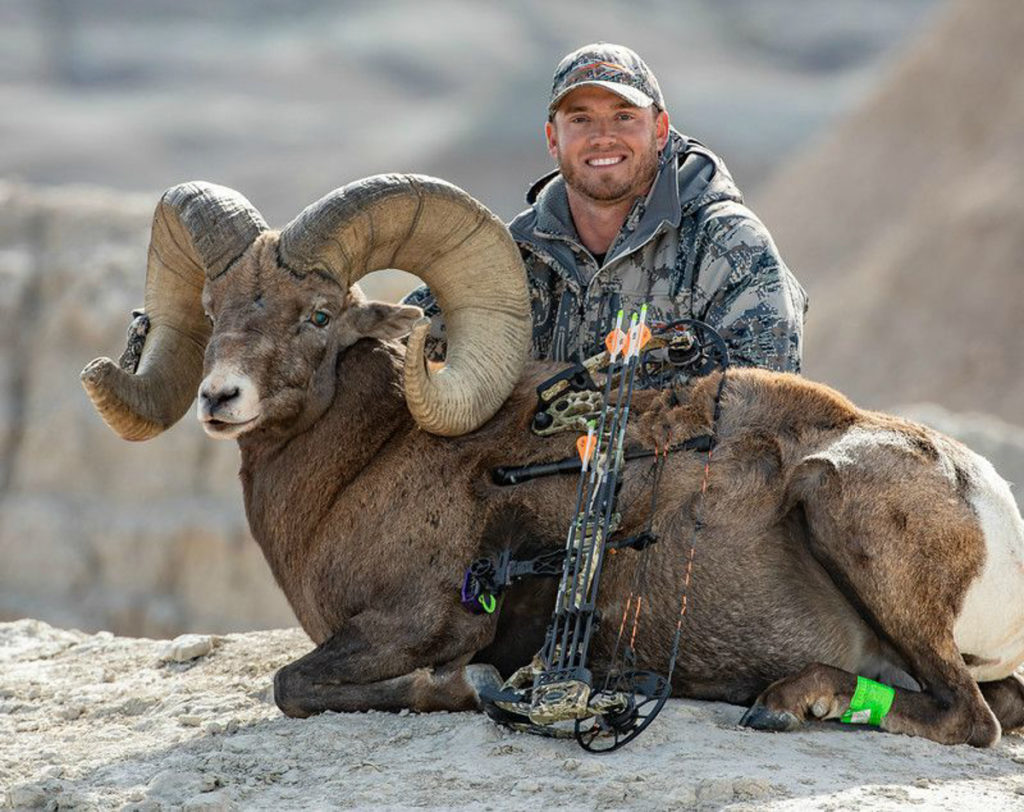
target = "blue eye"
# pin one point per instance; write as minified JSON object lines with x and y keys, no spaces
{"x":320,"y":318}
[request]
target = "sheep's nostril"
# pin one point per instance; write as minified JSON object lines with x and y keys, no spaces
{"x":215,"y":400}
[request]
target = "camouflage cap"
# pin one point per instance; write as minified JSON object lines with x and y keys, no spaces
{"x":613,"y":67}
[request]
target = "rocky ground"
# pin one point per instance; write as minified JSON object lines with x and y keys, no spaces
{"x":104,"y":722}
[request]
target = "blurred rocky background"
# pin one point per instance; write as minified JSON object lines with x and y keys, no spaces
{"x":878,"y":139}
{"x":906,"y":223}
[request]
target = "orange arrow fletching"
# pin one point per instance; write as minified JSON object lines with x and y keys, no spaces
{"x":585,"y":445}
{"x":616,"y":342}
{"x":624,"y":341}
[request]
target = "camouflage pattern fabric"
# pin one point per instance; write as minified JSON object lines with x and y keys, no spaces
{"x":689,"y":249}
{"x":560,"y":701}
{"x":613,"y":67}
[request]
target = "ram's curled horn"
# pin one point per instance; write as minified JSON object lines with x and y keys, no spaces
{"x":463,"y":252}
{"x":199,"y":230}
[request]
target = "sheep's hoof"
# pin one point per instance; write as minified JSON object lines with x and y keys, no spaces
{"x":761,"y":718}
{"x":487,"y":683}
{"x":482,"y":677}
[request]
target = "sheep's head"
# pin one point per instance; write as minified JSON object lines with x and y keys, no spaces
{"x":282,"y":306}
{"x":270,"y":362}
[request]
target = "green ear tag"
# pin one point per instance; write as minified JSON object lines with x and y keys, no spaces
{"x":870,"y":703}
{"x":488,"y":603}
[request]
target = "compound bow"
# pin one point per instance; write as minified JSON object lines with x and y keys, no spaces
{"x":558,"y":687}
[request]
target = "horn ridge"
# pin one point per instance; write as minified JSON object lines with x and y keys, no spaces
{"x":199,"y":231}
{"x":433,"y":229}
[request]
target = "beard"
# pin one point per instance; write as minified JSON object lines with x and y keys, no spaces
{"x":609,"y":189}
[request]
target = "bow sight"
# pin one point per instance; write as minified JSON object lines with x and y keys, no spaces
{"x":557,"y":694}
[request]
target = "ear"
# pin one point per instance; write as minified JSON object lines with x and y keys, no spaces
{"x":384,"y":320}
{"x":552,"y":139}
{"x":661,"y":127}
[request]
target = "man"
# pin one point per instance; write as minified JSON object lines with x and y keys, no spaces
{"x":637,"y":212}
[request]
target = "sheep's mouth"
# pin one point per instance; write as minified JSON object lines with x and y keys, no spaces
{"x":226,"y":429}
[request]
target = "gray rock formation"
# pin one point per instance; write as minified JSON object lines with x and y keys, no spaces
{"x":286,"y":100}
{"x":906,"y":224}
{"x":145,"y":538}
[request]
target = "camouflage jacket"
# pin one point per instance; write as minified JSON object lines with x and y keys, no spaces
{"x":689,"y":249}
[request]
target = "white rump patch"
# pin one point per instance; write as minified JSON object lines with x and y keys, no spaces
{"x":991,"y":623}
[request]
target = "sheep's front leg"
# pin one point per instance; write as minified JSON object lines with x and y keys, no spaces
{"x":390,"y":661}
{"x":301,"y":690}
{"x":378,"y":644}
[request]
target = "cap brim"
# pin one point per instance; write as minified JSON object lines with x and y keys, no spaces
{"x":635,"y":97}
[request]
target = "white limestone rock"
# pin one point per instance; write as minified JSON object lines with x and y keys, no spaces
{"x":187,"y":647}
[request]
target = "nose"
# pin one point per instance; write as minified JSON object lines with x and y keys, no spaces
{"x":214,"y":398}
{"x":226,"y":397}
{"x":602,"y":134}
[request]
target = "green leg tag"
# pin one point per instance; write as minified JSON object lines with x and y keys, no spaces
{"x":871,"y":702}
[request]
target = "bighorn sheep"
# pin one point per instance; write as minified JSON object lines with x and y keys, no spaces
{"x":836,"y":541}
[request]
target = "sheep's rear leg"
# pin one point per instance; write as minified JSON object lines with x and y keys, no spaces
{"x":821,"y":692}
{"x":303,"y":689}
{"x":904,"y":572}
{"x":1006,"y":699}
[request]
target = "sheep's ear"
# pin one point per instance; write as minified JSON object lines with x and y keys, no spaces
{"x":382,"y":319}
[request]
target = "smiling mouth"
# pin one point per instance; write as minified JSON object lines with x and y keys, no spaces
{"x":609,"y":161}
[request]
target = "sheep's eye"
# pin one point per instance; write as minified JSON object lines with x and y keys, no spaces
{"x":320,"y":318}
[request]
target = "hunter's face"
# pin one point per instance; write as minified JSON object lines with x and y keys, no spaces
{"x":606,"y":149}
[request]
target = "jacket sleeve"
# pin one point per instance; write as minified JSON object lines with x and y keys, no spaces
{"x":437,"y":339}
{"x":752,"y":299}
